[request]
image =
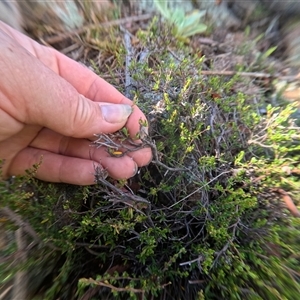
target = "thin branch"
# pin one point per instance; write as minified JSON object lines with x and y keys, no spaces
{"x":224,"y":249}
{"x":118,"y":289}
{"x":24,"y":225}
{"x":20,"y":289}
{"x":112,"y":287}
{"x":129,"y":54}
{"x":91,"y":245}
{"x":255,"y":142}
{"x":156,"y":160}
{"x":198,"y":260}
{"x":61,"y":37}
{"x":200,"y":188}
{"x":5,"y":293}
{"x":251,"y":74}
{"x":117,"y":141}
{"x":20,"y":223}
{"x":124,"y":196}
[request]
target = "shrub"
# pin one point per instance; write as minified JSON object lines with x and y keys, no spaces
{"x":205,"y":220}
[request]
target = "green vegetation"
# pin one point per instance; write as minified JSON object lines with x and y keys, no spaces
{"x":185,"y":25}
{"x":205,"y":220}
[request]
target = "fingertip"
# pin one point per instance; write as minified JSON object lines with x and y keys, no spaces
{"x":120,"y":168}
{"x":115,"y":113}
{"x":142,"y":157}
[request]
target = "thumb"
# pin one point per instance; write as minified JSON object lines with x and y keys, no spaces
{"x":67,"y":112}
{"x":37,"y":95}
{"x":74,"y":115}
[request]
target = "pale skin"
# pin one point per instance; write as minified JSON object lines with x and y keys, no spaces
{"x":50,"y":108}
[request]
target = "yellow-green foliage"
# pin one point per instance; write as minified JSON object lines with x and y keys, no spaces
{"x":214,"y":228}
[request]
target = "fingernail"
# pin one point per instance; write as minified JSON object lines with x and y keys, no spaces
{"x":116,"y":113}
{"x":135,"y":169}
{"x":144,"y":132}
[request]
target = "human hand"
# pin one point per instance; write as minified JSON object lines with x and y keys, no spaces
{"x":50,"y":106}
